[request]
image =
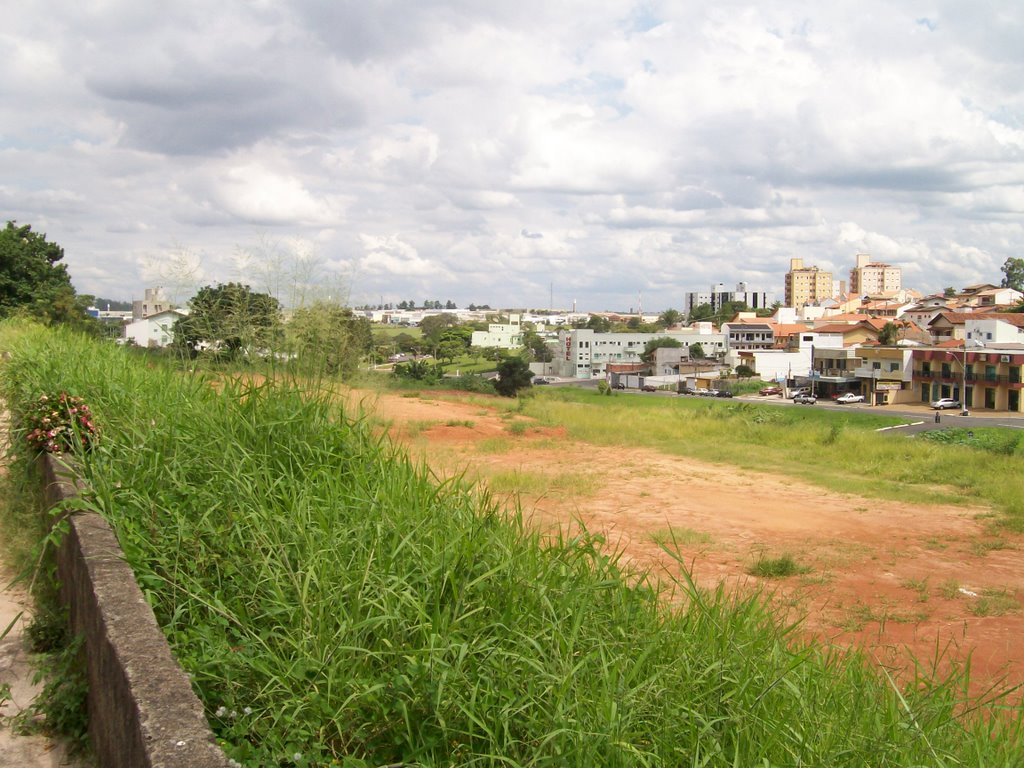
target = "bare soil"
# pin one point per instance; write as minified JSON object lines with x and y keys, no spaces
{"x":901,"y":580}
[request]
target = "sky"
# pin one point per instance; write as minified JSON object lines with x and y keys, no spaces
{"x":606,"y":155}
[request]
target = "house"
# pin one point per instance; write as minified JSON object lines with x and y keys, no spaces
{"x":155,"y":330}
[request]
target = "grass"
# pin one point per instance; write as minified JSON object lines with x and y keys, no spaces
{"x":335,"y":605}
{"x":995,"y":602}
{"x":780,"y":567}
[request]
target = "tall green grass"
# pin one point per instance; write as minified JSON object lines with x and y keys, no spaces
{"x":334,"y":606}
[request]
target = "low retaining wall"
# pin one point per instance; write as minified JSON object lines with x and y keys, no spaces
{"x":142,"y":710}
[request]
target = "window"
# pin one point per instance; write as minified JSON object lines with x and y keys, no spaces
{"x":894,"y":367}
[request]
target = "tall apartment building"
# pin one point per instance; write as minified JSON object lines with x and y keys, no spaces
{"x":718,"y":295}
{"x":869,"y":278}
{"x":807,"y":285}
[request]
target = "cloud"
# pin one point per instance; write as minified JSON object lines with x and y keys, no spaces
{"x":656,"y":147}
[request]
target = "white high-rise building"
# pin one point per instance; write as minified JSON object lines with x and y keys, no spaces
{"x":718,"y":295}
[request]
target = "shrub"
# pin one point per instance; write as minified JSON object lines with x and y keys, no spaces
{"x":59,"y":423}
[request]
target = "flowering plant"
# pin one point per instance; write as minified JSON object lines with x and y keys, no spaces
{"x":57,"y":424}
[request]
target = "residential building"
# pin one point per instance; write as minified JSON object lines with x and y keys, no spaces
{"x":156,"y":330}
{"x":747,"y":335}
{"x":717,"y":297}
{"x":872,"y":277}
{"x":807,"y":285}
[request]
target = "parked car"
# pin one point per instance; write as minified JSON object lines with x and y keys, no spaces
{"x":688,"y":391}
{"x":540,"y":380}
{"x":723,"y":393}
{"x":849,"y":397}
{"x":797,"y":391}
{"x":805,"y":399}
{"x":767,"y":391}
{"x":620,"y":385}
{"x":649,"y":388}
{"x":945,"y":402}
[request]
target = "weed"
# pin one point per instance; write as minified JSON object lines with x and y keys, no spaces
{"x":982,"y":547}
{"x":518,"y":427}
{"x":950,"y":589}
{"x":994,"y":602}
{"x":777,"y":567}
{"x":917,"y":585}
{"x":680,"y":537}
{"x":460,"y":423}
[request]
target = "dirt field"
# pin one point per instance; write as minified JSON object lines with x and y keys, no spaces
{"x":893,"y":577}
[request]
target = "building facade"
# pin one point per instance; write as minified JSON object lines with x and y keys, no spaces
{"x":807,"y":285}
{"x":870,"y":278}
{"x":717,"y":296}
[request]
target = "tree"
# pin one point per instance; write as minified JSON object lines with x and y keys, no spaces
{"x":700,"y":312}
{"x":1013,"y":274}
{"x":889,"y":334}
{"x":513,"y":375}
{"x":538,"y":347}
{"x":657,"y":343}
{"x":950,"y":292}
{"x":433,"y":326}
{"x":744,"y":371}
{"x":328,"y":338}
{"x":670,"y":317}
{"x":449,"y":349}
{"x":32,"y":280}
{"x":231,"y":319}
{"x":696,"y":351}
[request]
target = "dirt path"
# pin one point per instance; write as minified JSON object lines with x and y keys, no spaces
{"x":896,"y":577}
{"x":16,"y":670}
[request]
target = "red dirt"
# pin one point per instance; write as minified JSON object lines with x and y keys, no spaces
{"x":892,"y":577}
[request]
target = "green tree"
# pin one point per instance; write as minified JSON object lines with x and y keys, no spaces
{"x":433,"y":326}
{"x":449,"y":349}
{"x":657,"y":343}
{"x":669,"y":317}
{"x":889,"y":334}
{"x":539,"y":349}
{"x":327,"y":338}
{"x":744,"y":371}
{"x":701,"y":312}
{"x":231,"y":319}
{"x":513,"y":375}
{"x":1013,"y":274}
{"x":697,"y":351}
{"x":33,"y":281}
{"x":950,"y":292}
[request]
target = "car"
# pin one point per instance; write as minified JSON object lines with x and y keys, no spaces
{"x":945,"y":402}
{"x":620,"y":385}
{"x":723,"y":393}
{"x":849,"y":397}
{"x":768,"y":391}
{"x":540,"y":380}
{"x":797,"y":391}
{"x":688,"y":391}
{"x":648,"y":388}
{"x":805,"y":399}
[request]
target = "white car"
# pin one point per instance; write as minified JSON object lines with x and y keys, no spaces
{"x":945,"y":402}
{"x":849,"y":397}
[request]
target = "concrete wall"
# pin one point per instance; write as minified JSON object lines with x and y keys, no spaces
{"x":142,"y":711}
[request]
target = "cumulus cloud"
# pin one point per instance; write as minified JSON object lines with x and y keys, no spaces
{"x":650,"y":148}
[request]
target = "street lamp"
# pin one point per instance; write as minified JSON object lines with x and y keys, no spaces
{"x":963,"y":385}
